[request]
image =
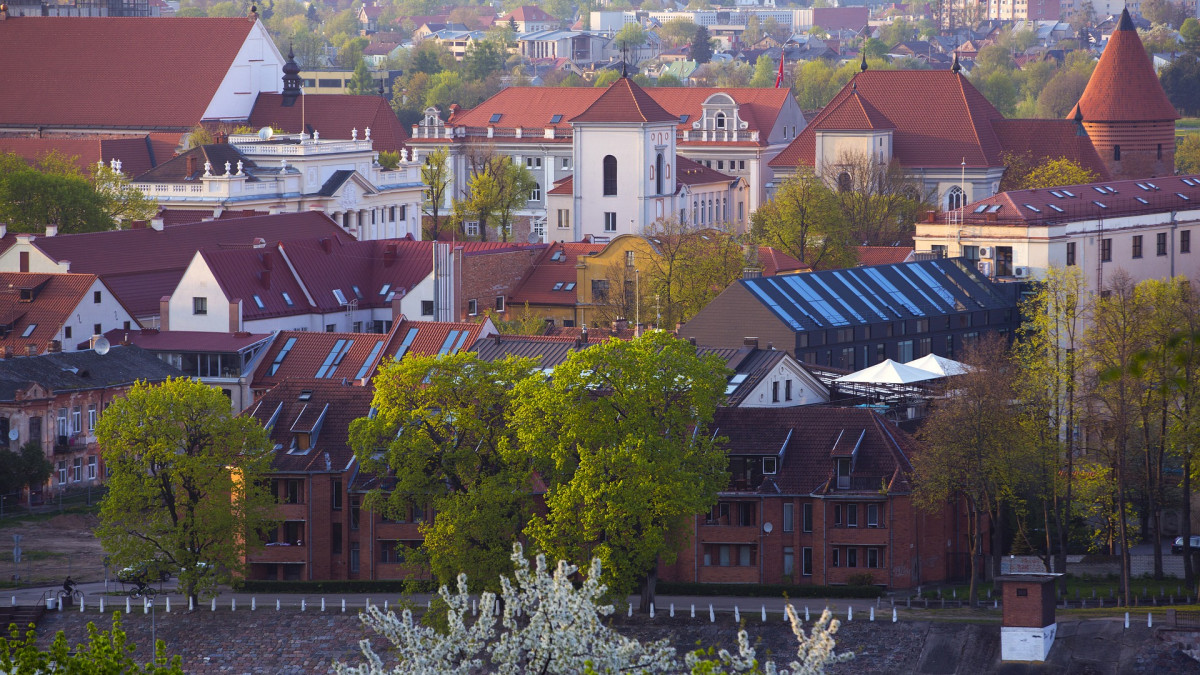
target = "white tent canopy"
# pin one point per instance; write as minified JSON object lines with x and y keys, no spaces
{"x":939,"y":365}
{"x":889,"y":372}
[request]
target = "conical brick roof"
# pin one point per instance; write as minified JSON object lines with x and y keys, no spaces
{"x":1124,"y":86}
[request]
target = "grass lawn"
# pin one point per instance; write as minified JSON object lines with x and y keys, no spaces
{"x":1188,"y":123}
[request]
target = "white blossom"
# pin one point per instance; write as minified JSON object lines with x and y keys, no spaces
{"x":550,"y":626}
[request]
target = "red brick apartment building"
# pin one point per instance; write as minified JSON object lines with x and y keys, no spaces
{"x":818,"y":495}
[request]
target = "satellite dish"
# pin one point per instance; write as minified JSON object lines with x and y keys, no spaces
{"x":767,"y":527}
{"x":266,"y":133}
{"x":534,"y":238}
{"x":13,"y":434}
{"x":101,"y":347}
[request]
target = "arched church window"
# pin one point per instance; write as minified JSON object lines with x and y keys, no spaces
{"x":1116,"y":153}
{"x":610,"y":176}
{"x":955,"y":199}
{"x":658,"y":174}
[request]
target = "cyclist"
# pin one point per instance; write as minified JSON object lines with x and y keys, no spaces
{"x":142,"y":589}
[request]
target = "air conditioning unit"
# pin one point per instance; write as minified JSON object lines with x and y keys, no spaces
{"x":1021,"y":272}
{"x":984,"y":267}
{"x":985,"y":252}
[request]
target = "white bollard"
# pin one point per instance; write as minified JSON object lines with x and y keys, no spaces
{"x":368,"y":605}
{"x":1126,"y":620}
{"x":806,"y":613}
{"x":1149,"y":620}
{"x":693,"y":610}
{"x":672,"y":610}
{"x":496,"y":608}
{"x":322,"y":604}
{"x":145,"y":606}
{"x":101,"y":604}
{"x":872,"y":614}
{"x":472,"y":606}
{"x":849,"y":613}
{"x":764,"y":613}
{"x":168,"y":604}
{"x":343,"y":605}
{"x":233,"y":604}
{"x":712,"y":616}
{"x":737,"y":616}
{"x":893,"y":615}
{"x":253,"y":604}
{"x":652,"y":610}
{"x":191,"y":604}
{"x":277,"y":605}
{"x":385,"y":606}
{"x":81,"y":604}
{"x":629,"y":610}
{"x":126,"y":605}
{"x":214,"y":604}
{"x":303,"y":604}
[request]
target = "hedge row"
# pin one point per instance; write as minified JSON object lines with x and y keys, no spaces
{"x":342,"y":586}
{"x":767,"y":590}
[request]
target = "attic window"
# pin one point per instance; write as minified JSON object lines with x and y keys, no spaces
{"x":1068,"y":193}
{"x":734,"y":382}
{"x":339,"y":296}
{"x":1032,"y":208}
{"x":1056,"y":193}
{"x":384,"y":290}
{"x":1152,"y":187}
{"x":994,"y":208}
{"x":362,"y":372}
{"x":1055,"y":208}
{"x":1182,"y":196}
{"x":1100,"y":204}
{"x":287,"y":347}
{"x":558,"y":255}
{"x":1188,"y":182}
{"x":357,"y":293}
{"x":288,"y":299}
{"x":334,"y":359}
{"x":1111,"y":190}
{"x":981,"y":208}
{"x":258,"y":301}
{"x":1143,"y":186}
{"x":570,"y":286}
{"x":1100,"y":190}
{"x":558,"y":286}
{"x":555,"y":119}
{"x":683,"y":119}
{"x":305,"y":395}
{"x":29,"y":330}
{"x":495,"y":118}
{"x":1142,"y":200}
{"x":770,"y":465}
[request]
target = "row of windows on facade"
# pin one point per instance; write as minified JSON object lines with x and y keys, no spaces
{"x":377,"y":215}
{"x":745,"y":514}
{"x":857,"y":357}
{"x":746,"y":555}
{"x":1136,"y":248}
{"x":74,"y":473}
{"x":817,"y":338}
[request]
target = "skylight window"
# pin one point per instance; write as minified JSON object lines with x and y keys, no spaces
{"x":1100,"y":190}
{"x":558,"y":255}
{"x":558,"y":286}
{"x":287,"y":347}
{"x":258,"y":301}
{"x":384,"y":290}
{"x":1068,"y":193}
{"x":1033,"y":208}
{"x":735,"y":382}
{"x":362,"y":372}
{"x":1152,"y":186}
{"x":1056,"y":193}
{"x":334,"y":358}
{"x":288,"y":299}
{"x":570,"y":286}
{"x":1055,"y":208}
{"x":1143,"y":186}
{"x":1188,"y":182}
{"x":981,"y":208}
{"x":684,"y":118}
{"x":340,"y":296}
{"x":29,"y":330}
{"x":1182,"y":196}
{"x":1142,"y":200}
{"x":495,"y":118}
{"x":1111,"y":190}
{"x":994,"y":208}
{"x":555,"y":119}
{"x":1100,"y":204}
{"x":357,"y":293}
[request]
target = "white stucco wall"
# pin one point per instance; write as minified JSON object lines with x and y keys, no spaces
{"x":198,"y":281}
{"x":1026,"y":644}
{"x":258,"y":67}
{"x":109,"y":313}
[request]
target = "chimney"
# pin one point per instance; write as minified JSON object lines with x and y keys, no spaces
{"x":164,"y":311}
{"x":692,"y":341}
{"x":389,"y":255}
{"x":8,"y":351}
{"x":51,"y":230}
{"x":191,"y":165}
{"x":54,"y":347}
{"x":3,"y":229}
{"x":157,"y":223}
{"x":259,"y":242}
{"x":327,"y":245}
{"x":621,"y":324}
{"x":31,"y":349}
{"x":265,"y":278}
{"x":750,"y":342}
{"x":751,"y":273}
{"x":583,"y":335}
{"x":397,"y":312}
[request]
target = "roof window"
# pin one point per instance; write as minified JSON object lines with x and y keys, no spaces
{"x":1100,"y":190}
{"x":287,"y":347}
{"x":357,"y":293}
{"x":1142,"y":200}
{"x":558,"y":286}
{"x":384,"y":290}
{"x":288,"y":299}
{"x":555,"y":119}
{"x":495,"y":118}
{"x":1100,"y":204}
{"x":684,"y":118}
{"x":1068,"y":193}
{"x":1143,"y":186}
{"x":1056,"y":193}
{"x":1152,"y":187}
{"x":994,"y":208}
{"x":305,"y":395}
{"x":1033,"y":208}
{"x":334,"y":359}
{"x":1055,"y":208}
{"x":1188,"y":182}
{"x":29,"y":330}
{"x":558,"y":255}
{"x":735,"y":381}
{"x":362,"y":372}
{"x":340,"y":296}
{"x":1182,"y":196}
{"x":258,"y":301}
{"x":1111,"y":190}
{"x":570,"y":286}
{"x":981,"y":208}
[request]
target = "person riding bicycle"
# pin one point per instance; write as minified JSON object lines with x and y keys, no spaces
{"x":142,"y":587}
{"x":69,"y":586}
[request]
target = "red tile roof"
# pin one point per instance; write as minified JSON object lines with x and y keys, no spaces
{"x":563,"y":186}
{"x":533,"y":107}
{"x":340,"y":404}
{"x":854,"y":113}
{"x":939,"y":118}
{"x":1124,"y":87}
{"x":132,"y":73}
{"x":882,"y":255}
{"x":690,"y":172}
{"x":152,"y":339}
{"x":625,"y":101}
{"x":307,"y":353}
{"x":137,"y":154}
{"x":434,"y":336}
{"x":777,"y":262}
{"x":54,"y":298}
{"x":333,"y":115}
{"x":1083,"y":202}
{"x":173,"y":217}
{"x":555,"y":267}
{"x":1049,"y":139}
{"x":527,"y":13}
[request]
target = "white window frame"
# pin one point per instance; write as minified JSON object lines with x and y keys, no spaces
{"x":91,"y":467}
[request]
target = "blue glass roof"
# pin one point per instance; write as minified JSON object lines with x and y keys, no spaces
{"x":865,"y":295}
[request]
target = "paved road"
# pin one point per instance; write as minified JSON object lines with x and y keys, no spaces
{"x":749,"y":607}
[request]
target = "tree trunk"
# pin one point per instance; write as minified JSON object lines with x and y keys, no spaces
{"x":648,"y":587}
{"x":1189,"y":572}
{"x":976,"y":543}
{"x":1122,"y":528}
{"x":997,"y":539}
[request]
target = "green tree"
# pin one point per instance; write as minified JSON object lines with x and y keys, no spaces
{"x":435,"y":174}
{"x":676,"y":32}
{"x":805,"y":221}
{"x":1061,"y":94}
{"x":619,"y":436}
{"x":483,"y":58}
{"x":515,"y":186}
{"x":350,"y":52}
{"x":426,"y":57}
{"x":764,"y":72}
{"x":1055,"y":172}
{"x":104,"y":652}
{"x":629,"y":38}
{"x":441,"y":432}
{"x":875,"y":48}
{"x":186,"y":481}
{"x":753,"y":31}
{"x":361,"y":83}
{"x":971,"y":445}
{"x":31,"y":198}
{"x":668,"y":80}
{"x":701,"y":46}
{"x":1187,"y":155}
{"x":606,"y":77}
{"x":1181,"y":82}
{"x":1189,"y":34}
{"x":26,"y":468}
{"x":880,"y":202}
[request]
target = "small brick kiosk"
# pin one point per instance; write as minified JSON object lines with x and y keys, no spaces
{"x":1028,"y":626}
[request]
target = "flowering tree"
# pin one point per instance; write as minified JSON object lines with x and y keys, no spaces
{"x":547,"y":625}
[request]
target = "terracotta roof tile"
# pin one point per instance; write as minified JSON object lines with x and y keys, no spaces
{"x":554,"y":270}
{"x":527,"y":13}
{"x":690,"y":172}
{"x":137,"y":154}
{"x":341,"y":405}
{"x":300,"y":355}
{"x":1124,"y":87}
{"x":103,"y":78}
{"x":625,"y":101}
{"x":333,"y":115}
{"x":1049,"y":139}
{"x":1083,"y":202}
{"x":777,"y":262}
{"x":882,"y":255}
{"x":854,"y":113}
{"x":34,"y":307}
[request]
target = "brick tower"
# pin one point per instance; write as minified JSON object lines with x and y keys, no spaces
{"x":1125,"y":110}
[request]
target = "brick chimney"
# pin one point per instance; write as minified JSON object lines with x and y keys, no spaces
{"x":157,"y":223}
{"x":164,"y":311}
{"x":52,"y":230}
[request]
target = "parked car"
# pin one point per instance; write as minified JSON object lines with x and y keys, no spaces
{"x":1177,"y":547}
{"x":147,"y":570}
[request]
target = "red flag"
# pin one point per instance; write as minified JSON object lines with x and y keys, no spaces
{"x":779,"y":77}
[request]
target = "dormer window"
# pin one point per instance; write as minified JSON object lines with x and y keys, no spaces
{"x":719,"y":120}
{"x":843,"y":473}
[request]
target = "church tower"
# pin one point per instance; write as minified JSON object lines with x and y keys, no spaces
{"x":1125,"y":110}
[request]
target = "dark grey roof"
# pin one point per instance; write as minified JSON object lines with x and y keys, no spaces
{"x":879,"y":293}
{"x":72,"y":371}
{"x":549,"y":353}
{"x":335,"y":181}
